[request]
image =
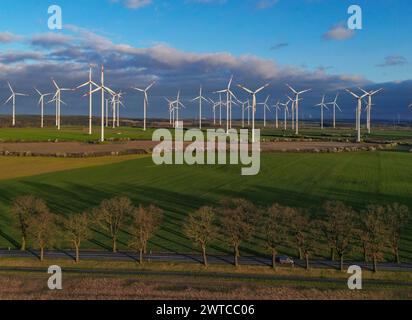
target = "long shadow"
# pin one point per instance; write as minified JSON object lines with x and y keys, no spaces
{"x":10,"y":239}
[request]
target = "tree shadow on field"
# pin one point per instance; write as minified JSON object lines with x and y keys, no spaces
{"x":10,"y":239}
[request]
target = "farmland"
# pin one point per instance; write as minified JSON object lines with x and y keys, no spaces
{"x":299,"y":180}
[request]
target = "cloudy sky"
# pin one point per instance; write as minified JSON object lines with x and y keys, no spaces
{"x":182,"y":44}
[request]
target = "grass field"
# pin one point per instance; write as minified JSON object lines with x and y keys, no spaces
{"x":79,"y":133}
{"x":71,"y":133}
{"x":301,"y":180}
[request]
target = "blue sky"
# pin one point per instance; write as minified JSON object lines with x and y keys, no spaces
{"x":188,"y":42}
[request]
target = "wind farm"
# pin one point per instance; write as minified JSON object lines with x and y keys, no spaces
{"x":86,"y":110}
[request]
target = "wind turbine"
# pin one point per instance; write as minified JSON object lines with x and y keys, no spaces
{"x":41,"y":104}
{"x":322,"y":106}
{"x":215,"y":105}
{"x":265,"y":107}
{"x":200,"y":98}
{"x":253,"y":93}
{"x":146,"y":101}
{"x":119,"y":103}
{"x":178,"y":104}
{"x":335,"y":105}
{"x":57,"y":99}
{"x":171,"y":111}
{"x":369,"y":107}
{"x":243,"y":112}
{"x":297,"y":94}
{"x":229,"y":95}
{"x":358,"y":113}
{"x":13,"y":98}
{"x":90,"y":83}
{"x":103,"y":89}
{"x":286,"y":106}
{"x":277,"y":108}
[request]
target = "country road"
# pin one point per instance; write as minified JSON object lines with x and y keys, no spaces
{"x":193,"y":258}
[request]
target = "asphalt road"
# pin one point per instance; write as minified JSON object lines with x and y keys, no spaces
{"x":192,"y":258}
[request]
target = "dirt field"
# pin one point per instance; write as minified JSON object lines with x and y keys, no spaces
{"x":29,"y":287}
{"x":78,"y":148}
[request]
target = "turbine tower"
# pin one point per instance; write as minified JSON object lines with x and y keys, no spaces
{"x":41,"y":104}
{"x":57,"y":99}
{"x":253,"y":93}
{"x":286,"y":106}
{"x":145,"y":101}
{"x":335,"y":106}
{"x":265,"y":107}
{"x":13,"y":98}
{"x":297,"y":95}
{"x":369,"y":107}
{"x":322,"y":106}
{"x":178,"y":104}
{"x":103,"y":90}
{"x":277,"y":109}
{"x":90,"y":83}
{"x":358,"y":113}
{"x":200,"y":98}
{"x":229,"y":95}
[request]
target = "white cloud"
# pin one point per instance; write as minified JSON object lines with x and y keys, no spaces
{"x":339,"y":33}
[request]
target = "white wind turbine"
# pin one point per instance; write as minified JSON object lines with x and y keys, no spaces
{"x":103,"y":89}
{"x":229,"y":95}
{"x":253,"y":93}
{"x":243,"y":111}
{"x":369,"y":107}
{"x":13,"y":98}
{"x":335,"y":106}
{"x":286,"y":107}
{"x":358,"y":113}
{"x":265,"y":107}
{"x":322,"y":106}
{"x":41,"y":104}
{"x":297,"y":94}
{"x":171,"y":111}
{"x":90,"y":83}
{"x":118,"y":103}
{"x":200,"y":98}
{"x":57,"y":99}
{"x":277,"y":109}
{"x":145,"y":101}
{"x":215,"y":104}
{"x":178,"y":104}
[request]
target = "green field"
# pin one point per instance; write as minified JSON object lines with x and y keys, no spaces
{"x":301,"y":180}
{"x":79,"y":133}
{"x":71,"y":133}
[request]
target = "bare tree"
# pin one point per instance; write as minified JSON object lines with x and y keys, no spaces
{"x":396,"y":219}
{"x":24,"y":208}
{"x":274,"y":229}
{"x":200,"y":229}
{"x":77,"y":227}
{"x":307,"y":241}
{"x":111,"y":215}
{"x":299,"y":223}
{"x":338,"y":228}
{"x":146,"y":220}
{"x":238,"y":220}
{"x":374,"y":232}
{"x":43,"y":230}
